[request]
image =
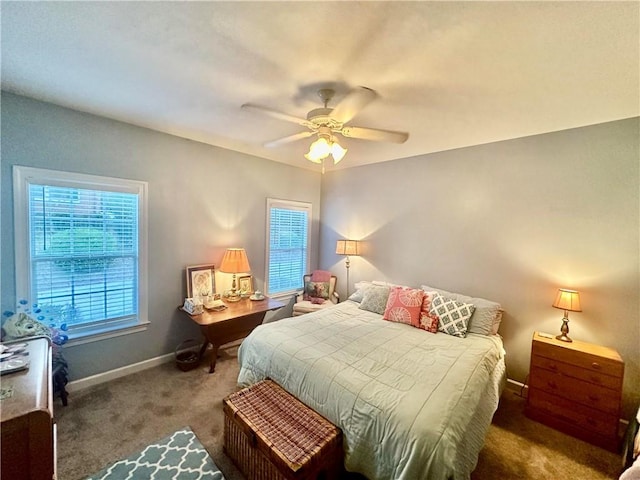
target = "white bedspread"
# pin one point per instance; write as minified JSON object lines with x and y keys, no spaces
{"x":411,"y":404}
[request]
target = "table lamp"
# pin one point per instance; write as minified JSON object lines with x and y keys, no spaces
{"x":234,"y":261}
{"x":348,"y":247}
{"x":569,"y":301}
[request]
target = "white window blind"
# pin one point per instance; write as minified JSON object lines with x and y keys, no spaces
{"x":288,"y":245}
{"x":84,"y":250}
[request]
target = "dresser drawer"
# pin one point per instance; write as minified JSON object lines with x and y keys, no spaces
{"x":606,"y":366}
{"x":594,"y":396}
{"x":587,"y":374}
{"x":580,"y":416}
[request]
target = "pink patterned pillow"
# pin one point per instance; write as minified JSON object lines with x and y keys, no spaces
{"x":404,"y":305}
{"x":428,"y":321}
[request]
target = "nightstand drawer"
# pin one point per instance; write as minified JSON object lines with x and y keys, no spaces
{"x":593,"y":396}
{"x":606,"y":366}
{"x":579,"y":415}
{"x":588,"y":375}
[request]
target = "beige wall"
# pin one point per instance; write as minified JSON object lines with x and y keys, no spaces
{"x":510,"y":221}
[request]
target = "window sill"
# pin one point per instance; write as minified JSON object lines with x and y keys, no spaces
{"x":98,"y":334}
{"x":284,"y":297}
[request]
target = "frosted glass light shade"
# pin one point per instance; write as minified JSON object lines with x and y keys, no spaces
{"x":337,"y":152}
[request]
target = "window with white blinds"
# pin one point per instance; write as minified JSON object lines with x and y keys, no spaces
{"x":81,"y":249}
{"x":288,"y":233}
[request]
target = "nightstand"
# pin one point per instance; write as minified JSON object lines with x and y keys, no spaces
{"x":576,"y":388}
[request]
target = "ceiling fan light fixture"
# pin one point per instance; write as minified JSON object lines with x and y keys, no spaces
{"x":337,"y":152}
{"x":318,"y":150}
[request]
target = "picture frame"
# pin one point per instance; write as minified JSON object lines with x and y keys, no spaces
{"x":201,"y":281}
{"x":245,"y":284}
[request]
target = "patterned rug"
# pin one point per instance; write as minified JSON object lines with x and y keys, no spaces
{"x":180,"y":456}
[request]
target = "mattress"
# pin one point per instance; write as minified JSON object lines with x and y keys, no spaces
{"x":411,"y":404}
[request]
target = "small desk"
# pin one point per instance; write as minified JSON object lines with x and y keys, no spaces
{"x":233,"y":323}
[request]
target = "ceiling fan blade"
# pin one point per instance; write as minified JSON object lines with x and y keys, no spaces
{"x":289,"y":139}
{"x":375,"y":134}
{"x":276,"y":114}
{"x":356,"y":100}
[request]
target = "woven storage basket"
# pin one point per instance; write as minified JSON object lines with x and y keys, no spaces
{"x":187,"y":356}
{"x":270,"y":435}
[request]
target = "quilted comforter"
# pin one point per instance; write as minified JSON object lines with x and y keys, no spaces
{"x":411,"y":404}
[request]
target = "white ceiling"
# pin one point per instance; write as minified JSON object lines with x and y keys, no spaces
{"x":453,"y":74}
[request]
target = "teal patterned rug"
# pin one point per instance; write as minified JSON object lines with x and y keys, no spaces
{"x":180,"y":456}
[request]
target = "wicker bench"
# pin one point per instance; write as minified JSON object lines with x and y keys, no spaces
{"x":270,"y":435}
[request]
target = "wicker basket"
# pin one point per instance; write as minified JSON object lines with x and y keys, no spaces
{"x":270,"y":435}
{"x":188,"y":355}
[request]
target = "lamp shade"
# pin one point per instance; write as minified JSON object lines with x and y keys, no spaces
{"x":568,"y":300}
{"x":235,"y":261}
{"x":348,"y":247}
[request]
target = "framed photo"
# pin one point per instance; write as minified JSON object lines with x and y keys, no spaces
{"x":245,"y":284}
{"x":201,"y":281}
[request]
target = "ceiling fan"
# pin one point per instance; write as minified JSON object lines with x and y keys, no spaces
{"x":325,"y":122}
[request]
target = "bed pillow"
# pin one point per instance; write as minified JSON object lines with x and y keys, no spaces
{"x":357,"y":296}
{"x":359,"y":293}
{"x":453,"y":316}
{"x":428,"y":321}
{"x":404,"y":305}
{"x":375,"y":299}
{"x":486,"y":317}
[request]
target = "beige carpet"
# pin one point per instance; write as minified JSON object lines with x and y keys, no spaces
{"x":108,"y":422}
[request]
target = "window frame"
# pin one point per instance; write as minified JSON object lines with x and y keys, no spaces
{"x":291,"y":205}
{"x":23,"y":177}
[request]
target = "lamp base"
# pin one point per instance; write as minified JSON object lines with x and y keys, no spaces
{"x":564,"y":338}
{"x":232,"y":296}
{"x":564,"y":330}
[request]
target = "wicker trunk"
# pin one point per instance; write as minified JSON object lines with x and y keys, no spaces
{"x":270,"y":435}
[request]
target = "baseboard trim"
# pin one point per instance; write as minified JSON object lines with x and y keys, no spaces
{"x":516,"y":386}
{"x":99,"y":378}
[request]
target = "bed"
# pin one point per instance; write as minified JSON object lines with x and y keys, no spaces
{"x":411,"y":404}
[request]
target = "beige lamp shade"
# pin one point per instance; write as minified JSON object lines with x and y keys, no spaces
{"x":235,"y":261}
{"x":348,"y":247}
{"x":568,"y":300}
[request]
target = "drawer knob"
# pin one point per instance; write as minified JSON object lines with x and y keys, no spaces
{"x":552,"y":384}
{"x":595,"y":379}
{"x":593,"y":398}
{"x":596,"y":365}
{"x":553,"y":367}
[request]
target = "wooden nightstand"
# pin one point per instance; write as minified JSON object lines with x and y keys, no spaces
{"x":576,"y":388}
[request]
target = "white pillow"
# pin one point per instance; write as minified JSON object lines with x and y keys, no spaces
{"x":487,"y":315}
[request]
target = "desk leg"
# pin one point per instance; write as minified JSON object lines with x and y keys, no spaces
{"x":209,"y":339}
{"x":231,"y":330}
{"x":214,"y":357}
{"x":203,"y":348}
